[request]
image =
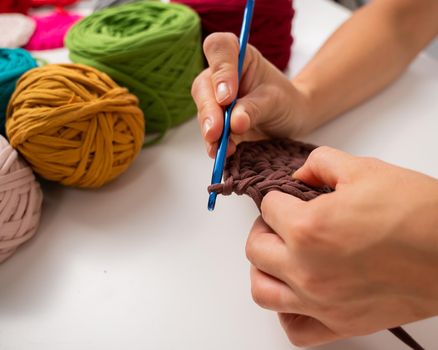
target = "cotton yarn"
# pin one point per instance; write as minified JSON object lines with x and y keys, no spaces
{"x":270,"y":29}
{"x":14,"y":6}
{"x":152,"y":48}
{"x":20,"y":201}
{"x":13,"y":64}
{"x":259,"y":167}
{"x":51,"y":30}
{"x":16,"y":30}
{"x":74,"y":124}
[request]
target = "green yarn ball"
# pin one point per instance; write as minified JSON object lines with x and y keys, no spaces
{"x":152,"y":48}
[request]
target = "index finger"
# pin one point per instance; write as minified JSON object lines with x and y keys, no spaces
{"x":222,"y":53}
{"x":210,"y":114}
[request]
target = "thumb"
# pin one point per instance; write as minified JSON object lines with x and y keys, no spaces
{"x":327,"y":166}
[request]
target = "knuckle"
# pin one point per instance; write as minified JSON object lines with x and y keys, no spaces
{"x":252,"y":108}
{"x":201,"y":119}
{"x":370,"y":163}
{"x":259,"y":294}
{"x":222,"y":71}
{"x":195,"y":86}
{"x":221,"y":49}
{"x":250,"y":250}
{"x":198,"y":82}
{"x":253,"y":58}
{"x":309,"y":282}
{"x":320,"y":153}
{"x":218,"y":42}
{"x":266,"y":201}
{"x":304,"y":231}
{"x":205,"y":107}
{"x":334,"y":311}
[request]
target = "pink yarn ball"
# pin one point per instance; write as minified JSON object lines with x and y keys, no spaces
{"x":51,"y":29}
{"x":20,"y":201}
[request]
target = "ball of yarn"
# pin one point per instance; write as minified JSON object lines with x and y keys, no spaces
{"x":51,"y":30}
{"x":38,"y":3}
{"x":13,"y":64}
{"x":152,"y":48}
{"x":17,"y":6}
{"x":20,"y":201}
{"x":74,"y":125}
{"x":270,"y":29}
{"x":16,"y":30}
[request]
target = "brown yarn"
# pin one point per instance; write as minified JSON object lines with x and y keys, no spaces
{"x":259,"y":167}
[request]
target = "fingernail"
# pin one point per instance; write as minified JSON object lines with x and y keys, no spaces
{"x":222,"y":92}
{"x":207,"y":125}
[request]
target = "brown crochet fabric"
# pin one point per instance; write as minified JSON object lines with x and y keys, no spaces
{"x":262,"y":166}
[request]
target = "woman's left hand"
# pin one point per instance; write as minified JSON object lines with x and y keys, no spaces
{"x":352,"y":262}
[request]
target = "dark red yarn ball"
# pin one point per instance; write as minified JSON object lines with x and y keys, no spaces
{"x":60,"y":3}
{"x":270,"y":30}
{"x":10,"y":6}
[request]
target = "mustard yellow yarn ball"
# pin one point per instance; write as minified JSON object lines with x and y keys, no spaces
{"x":74,"y":124}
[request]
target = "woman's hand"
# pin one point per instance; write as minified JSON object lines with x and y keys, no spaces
{"x":358,"y":260}
{"x":268,"y":105}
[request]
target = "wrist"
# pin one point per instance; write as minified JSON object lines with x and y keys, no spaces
{"x":311,"y":112}
{"x":303,"y":108}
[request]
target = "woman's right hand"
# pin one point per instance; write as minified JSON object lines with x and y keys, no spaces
{"x":268,"y":104}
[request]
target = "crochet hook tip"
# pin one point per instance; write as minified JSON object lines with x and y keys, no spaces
{"x":212,"y":201}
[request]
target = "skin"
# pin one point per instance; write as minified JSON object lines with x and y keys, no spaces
{"x":357,"y":260}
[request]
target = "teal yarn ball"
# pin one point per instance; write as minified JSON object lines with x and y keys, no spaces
{"x":152,"y":48}
{"x":13,"y":64}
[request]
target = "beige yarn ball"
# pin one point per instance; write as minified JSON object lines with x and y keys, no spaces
{"x":20,"y":201}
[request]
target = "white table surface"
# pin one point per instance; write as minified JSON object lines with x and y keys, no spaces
{"x":142,"y":264}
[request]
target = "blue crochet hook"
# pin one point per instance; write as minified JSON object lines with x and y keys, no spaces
{"x":219,"y":161}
